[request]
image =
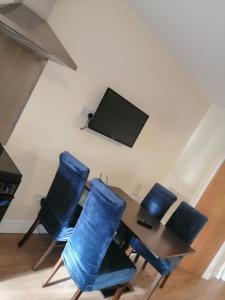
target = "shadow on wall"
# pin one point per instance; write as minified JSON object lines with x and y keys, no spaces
{"x":28,"y":160}
{"x":32,"y":163}
{"x":57,"y":73}
{"x":137,"y":191}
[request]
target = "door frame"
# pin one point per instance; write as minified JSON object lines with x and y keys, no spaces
{"x":212,"y":269}
{"x":206,"y":181}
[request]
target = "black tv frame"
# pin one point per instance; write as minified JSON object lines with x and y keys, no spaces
{"x":111,"y":137}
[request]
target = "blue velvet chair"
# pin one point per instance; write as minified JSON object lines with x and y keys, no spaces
{"x":156,"y":202}
{"x":93,"y":261}
{"x":59,"y":207}
{"x":186,"y":222}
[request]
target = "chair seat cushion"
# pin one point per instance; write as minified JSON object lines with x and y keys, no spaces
{"x":58,"y":231}
{"x":163,"y":266}
{"x":65,"y":234}
{"x":115,"y":269}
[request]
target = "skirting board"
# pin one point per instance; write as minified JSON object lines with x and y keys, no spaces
{"x":216,"y":268}
{"x":18,"y":227}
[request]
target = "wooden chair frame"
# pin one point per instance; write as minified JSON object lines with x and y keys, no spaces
{"x":78,"y":293}
{"x":48,"y":250}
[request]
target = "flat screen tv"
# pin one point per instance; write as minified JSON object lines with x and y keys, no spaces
{"x":118,"y":119}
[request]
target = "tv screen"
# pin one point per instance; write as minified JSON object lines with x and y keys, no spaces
{"x":118,"y":119}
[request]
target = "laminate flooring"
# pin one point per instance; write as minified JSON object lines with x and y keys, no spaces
{"x":19,"y":282}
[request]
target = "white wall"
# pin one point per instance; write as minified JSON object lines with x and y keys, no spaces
{"x":201,"y":157}
{"x":112,"y":47}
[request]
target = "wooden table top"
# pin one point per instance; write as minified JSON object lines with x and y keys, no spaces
{"x":159,"y":239}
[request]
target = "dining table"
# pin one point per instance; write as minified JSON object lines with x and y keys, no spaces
{"x":158,"y":239}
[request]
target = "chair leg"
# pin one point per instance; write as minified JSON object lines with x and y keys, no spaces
{"x":164,"y":281}
{"x":144,"y":265}
{"x":29,"y":233}
{"x":54,"y":270}
{"x":119,"y":292}
{"x":153,"y":286}
{"x":45,"y":255}
{"x":77,"y":295}
{"x":136,"y":258}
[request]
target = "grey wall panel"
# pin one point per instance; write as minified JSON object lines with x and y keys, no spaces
{"x":20,"y":70}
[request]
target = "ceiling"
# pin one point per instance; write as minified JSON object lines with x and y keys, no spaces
{"x":193,"y":31}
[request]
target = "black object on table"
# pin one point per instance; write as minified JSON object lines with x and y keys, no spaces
{"x":10,"y":178}
{"x":144,"y":219}
{"x":144,"y":223}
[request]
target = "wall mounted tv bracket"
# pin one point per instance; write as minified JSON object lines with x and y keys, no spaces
{"x":90,"y":116}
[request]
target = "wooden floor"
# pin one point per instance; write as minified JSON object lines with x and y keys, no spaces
{"x":18,"y":281}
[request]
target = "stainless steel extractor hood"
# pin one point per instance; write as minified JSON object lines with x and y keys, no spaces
{"x":26,"y":44}
{"x":23,"y":25}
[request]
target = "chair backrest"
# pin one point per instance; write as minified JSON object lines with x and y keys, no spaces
{"x":158,"y":201}
{"x":93,"y":233}
{"x":186,"y":222}
{"x":64,"y":194}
